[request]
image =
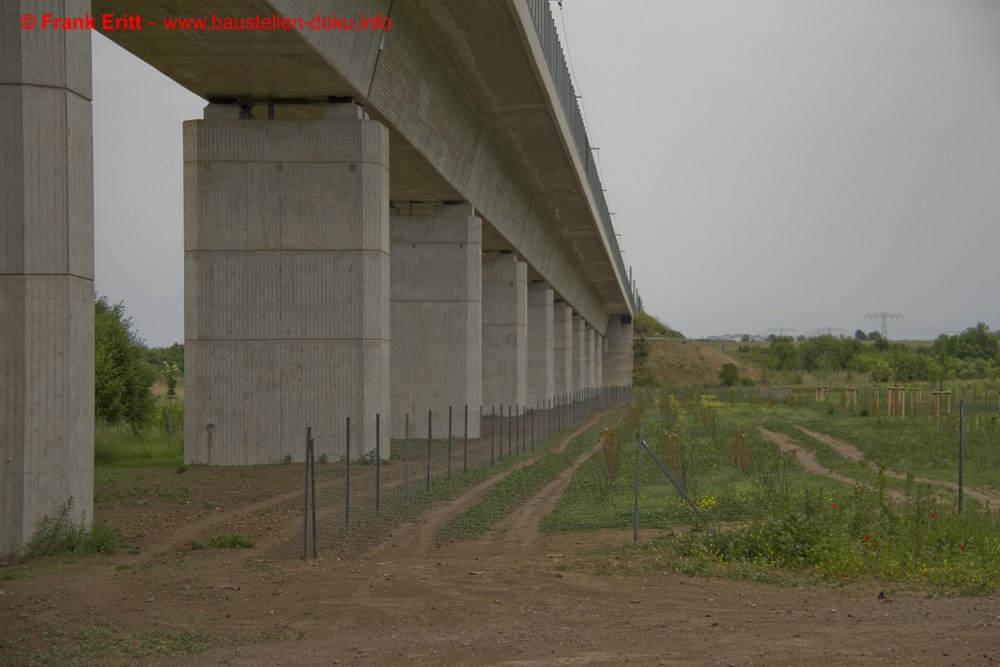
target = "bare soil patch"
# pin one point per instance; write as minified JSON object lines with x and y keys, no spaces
{"x":683,"y":362}
{"x":516,"y":597}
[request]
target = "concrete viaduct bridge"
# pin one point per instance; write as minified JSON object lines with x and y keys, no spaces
{"x":375,"y":221}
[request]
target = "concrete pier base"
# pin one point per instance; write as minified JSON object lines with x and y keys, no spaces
{"x":505,"y":330}
{"x":286,"y":309}
{"x":46,"y":274}
{"x":541,"y":342}
{"x":437,"y":320}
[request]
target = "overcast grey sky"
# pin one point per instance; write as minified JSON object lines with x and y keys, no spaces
{"x":771,"y":163}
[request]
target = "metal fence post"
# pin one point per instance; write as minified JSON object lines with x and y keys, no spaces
{"x":406,"y":460}
{"x":465,"y":444}
{"x":312,"y":483}
{"x":347,"y":482}
{"x":510,"y":411}
{"x":429,"y":413}
{"x":517,"y":431}
{"x":378,"y":465}
{"x":500,"y":438}
{"x":449,"y":442}
{"x":638,"y":471}
{"x":533,"y":415}
{"x":961,"y":453}
{"x":305,"y":506}
{"x":493,"y":417}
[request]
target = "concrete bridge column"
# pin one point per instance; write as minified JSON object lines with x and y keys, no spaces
{"x":599,"y":366}
{"x":541,"y":343}
{"x":591,"y":354}
{"x":286,"y":277}
{"x":505,"y":329}
{"x":437,"y":338}
{"x":46,"y":274}
{"x":579,"y":352}
{"x":562,"y":316}
{"x":618,"y":357}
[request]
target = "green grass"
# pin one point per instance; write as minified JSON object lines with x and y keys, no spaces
{"x":516,"y":488}
{"x":230,"y":541}
{"x":915,"y":445}
{"x":100,"y":643}
{"x":61,"y":535}
{"x":778,"y":522}
{"x":121,"y":447}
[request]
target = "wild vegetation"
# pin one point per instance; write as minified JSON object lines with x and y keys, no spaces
{"x":134,"y":425}
{"x":972,"y":354}
{"x":778,"y":522}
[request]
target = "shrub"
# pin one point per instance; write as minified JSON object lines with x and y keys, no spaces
{"x":61,"y":535}
{"x":231,"y":541}
{"x":729,"y":374}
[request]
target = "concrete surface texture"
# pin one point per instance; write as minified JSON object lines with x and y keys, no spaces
{"x":579,"y":352}
{"x":590,"y":352}
{"x":505,"y":330}
{"x":436,"y":291}
{"x":286,"y":235}
{"x":541,"y":343}
{"x":468,"y":98}
{"x":599,"y":366}
{"x":46,"y":276}
{"x":617,"y":366}
{"x":562,"y":315}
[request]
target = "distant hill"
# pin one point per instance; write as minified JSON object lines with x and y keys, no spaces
{"x":646,"y":326}
{"x":683,"y":362}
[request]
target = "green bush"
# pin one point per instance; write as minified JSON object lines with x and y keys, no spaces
{"x":230,"y":541}
{"x":729,"y":374}
{"x":122,"y":379}
{"x":61,"y":535}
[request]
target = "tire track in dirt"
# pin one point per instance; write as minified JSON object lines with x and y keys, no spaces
{"x":803,"y":456}
{"x":520,"y":531}
{"x":420,"y":536}
{"x":203,"y":526}
{"x":853,"y":454}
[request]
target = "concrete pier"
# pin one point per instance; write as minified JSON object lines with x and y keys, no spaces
{"x":579,"y":352}
{"x":562,"y":316}
{"x":590,"y":351}
{"x":436,"y":320}
{"x":541,"y":343}
{"x":46,"y":274}
{"x":505,"y":330}
{"x":617,"y":366}
{"x":286,"y":309}
{"x":599,"y":366}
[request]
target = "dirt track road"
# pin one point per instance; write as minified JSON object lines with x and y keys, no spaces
{"x":507,"y":599}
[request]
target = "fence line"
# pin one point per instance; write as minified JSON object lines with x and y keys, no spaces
{"x":363,"y":485}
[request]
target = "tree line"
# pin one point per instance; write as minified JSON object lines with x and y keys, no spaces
{"x":972,"y":354}
{"x":125,"y":369}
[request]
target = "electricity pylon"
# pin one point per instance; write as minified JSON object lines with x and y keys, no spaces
{"x":884,"y":316}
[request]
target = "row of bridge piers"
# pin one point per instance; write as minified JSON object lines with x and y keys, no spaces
{"x":309,"y":294}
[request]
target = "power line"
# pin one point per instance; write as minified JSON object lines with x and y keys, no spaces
{"x":781,"y":331}
{"x":884,"y":317}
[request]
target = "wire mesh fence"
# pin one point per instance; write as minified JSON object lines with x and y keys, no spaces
{"x":371,"y":480}
{"x":737,"y":451}
{"x":881,"y":400}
